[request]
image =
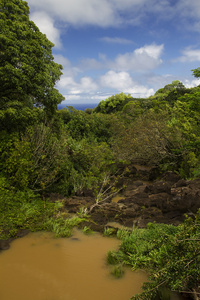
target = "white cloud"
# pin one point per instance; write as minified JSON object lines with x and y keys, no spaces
{"x":86,"y":85}
{"x":68,"y":69}
{"x":116,"y":40}
{"x":99,"y":97}
{"x":191,"y":83}
{"x":71,"y":97}
{"x":78,"y":12}
{"x":189,"y":55}
{"x":127,"y":4}
{"x":106,"y":13}
{"x":92,"y":64}
{"x":122,"y":82}
{"x":141,"y":59}
{"x":154,"y":51}
{"x":86,"y":89}
{"x":46,"y":26}
{"x":94,"y":99}
{"x":189,"y":8}
{"x":189,"y":13}
{"x":103,"y":13}
{"x":159,"y":81}
{"x":196,"y":26}
{"x":60,"y":59}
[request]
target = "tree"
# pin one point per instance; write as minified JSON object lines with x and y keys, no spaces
{"x":169,"y":94}
{"x":196,"y":72}
{"x":113,"y":104}
{"x":28,"y":73}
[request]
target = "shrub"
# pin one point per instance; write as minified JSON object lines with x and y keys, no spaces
{"x":169,"y":254}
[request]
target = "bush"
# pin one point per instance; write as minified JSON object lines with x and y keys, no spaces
{"x":169,"y":254}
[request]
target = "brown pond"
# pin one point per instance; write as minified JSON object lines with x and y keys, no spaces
{"x":39,"y":267}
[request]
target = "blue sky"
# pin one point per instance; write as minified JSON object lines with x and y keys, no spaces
{"x":112,"y":46}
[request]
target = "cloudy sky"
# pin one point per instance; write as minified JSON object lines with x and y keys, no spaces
{"x":112,"y":46}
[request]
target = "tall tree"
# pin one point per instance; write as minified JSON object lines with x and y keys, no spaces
{"x":28,"y":73}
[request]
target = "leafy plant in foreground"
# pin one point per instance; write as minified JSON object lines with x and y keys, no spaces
{"x":169,"y":254}
{"x":62,"y":227}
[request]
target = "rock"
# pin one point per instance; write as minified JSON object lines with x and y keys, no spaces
{"x":75,"y":203}
{"x":159,"y":187}
{"x":194,"y":184}
{"x":85,"y":193}
{"x":170,"y":177}
{"x":151,"y":212}
{"x":22,"y":232}
{"x":180,"y":183}
{"x":159,"y":200}
{"x":166,"y":200}
{"x":132,"y":170}
{"x":143,"y":174}
{"x":129,"y":213}
{"x":4,"y":245}
{"x":139,"y":199}
{"x":174,"y":215}
{"x":185,"y":199}
{"x":129,"y":222}
{"x":154,"y":173}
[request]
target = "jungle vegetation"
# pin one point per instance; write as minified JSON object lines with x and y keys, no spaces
{"x":45,"y":150}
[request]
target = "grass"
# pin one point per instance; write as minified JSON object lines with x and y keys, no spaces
{"x":26,"y":210}
{"x":118,"y":271}
{"x":87,"y":230}
{"x":108,"y":231}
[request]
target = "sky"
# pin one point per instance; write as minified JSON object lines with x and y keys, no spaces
{"x":111,"y":46}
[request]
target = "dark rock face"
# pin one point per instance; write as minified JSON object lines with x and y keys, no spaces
{"x":159,"y":187}
{"x":163,"y":201}
{"x":170,"y":177}
{"x":4,"y":245}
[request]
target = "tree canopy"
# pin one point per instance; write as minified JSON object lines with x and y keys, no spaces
{"x":28,"y":73}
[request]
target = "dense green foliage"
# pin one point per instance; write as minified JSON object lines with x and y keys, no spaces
{"x":26,"y":210}
{"x":43,"y":150}
{"x":28,"y":72}
{"x":169,"y":254}
{"x":113,"y":103}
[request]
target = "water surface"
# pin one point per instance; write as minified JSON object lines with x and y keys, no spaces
{"x":39,"y":267}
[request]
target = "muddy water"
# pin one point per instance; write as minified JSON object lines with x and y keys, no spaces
{"x":38,"y":267}
{"x":117,"y":198}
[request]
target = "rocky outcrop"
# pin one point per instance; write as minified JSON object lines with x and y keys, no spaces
{"x":166,"y":200}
